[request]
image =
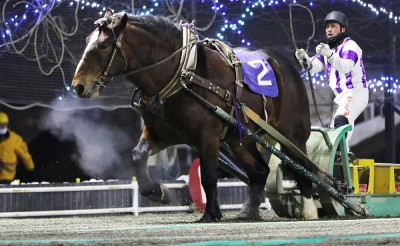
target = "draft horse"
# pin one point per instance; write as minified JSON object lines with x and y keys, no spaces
{"x":160,"y":58}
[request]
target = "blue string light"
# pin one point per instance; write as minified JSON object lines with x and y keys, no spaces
{"x":236,"y":22}
{"x":41,"y":7}
{"x":232,"y":23}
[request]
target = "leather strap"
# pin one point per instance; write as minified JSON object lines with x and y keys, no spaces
{"x":230,"y":57}
{"x":188,"y":60}
{"x":191,"y":77}
{"x":279,"y":137}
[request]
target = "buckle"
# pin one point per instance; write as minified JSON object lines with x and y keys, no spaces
{"x":227,"y":96}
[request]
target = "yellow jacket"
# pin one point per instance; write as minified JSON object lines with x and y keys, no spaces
{"x":12,"y":150}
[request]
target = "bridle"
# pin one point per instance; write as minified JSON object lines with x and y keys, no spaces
{"x":104,"y":77}
{"x":189,"y":40}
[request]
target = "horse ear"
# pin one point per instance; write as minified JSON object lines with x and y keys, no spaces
{"x":124,"y":20}
{"x":121,"y":22}
{"x":108,"y":13}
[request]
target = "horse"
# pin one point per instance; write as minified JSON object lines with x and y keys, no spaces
{"x":163,"y":59}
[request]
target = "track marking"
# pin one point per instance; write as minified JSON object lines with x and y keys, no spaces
{"x":209,"y":240}
{"x":210,"y":243}
{"x":291,"y":241}
{"x":194,"y":225}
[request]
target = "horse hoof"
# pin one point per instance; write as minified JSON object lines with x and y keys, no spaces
{"x":249,"y":212}
{"x":160,"y":195}
{"x":247,"y":215}
{"x":309,"y":211}
{"x":207,"y":218}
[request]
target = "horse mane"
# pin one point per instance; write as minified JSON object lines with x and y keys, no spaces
{"x":156,"y":24}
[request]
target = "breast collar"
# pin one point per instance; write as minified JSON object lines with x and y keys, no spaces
{"x":188,"y":61}
{"x":185,"y":73}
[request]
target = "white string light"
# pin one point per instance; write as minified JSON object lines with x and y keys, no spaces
{"x":19,"y":29}
{"x":375,"y":84}
{"x":233,"y":24}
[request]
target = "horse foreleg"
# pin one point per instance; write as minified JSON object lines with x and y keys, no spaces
{"x":147,"y":186}
{"x":209,"y":179}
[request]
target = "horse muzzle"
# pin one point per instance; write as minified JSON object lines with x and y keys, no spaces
{"x":79,"y":89}
{"x":85,"y":92}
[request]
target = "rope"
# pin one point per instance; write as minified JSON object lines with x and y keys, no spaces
{"x":39,"y":36}
{"x":291,"y":24}
{"x":307,"y":70}
{"x":177,"y":14}
{"x":64,"y":107}
{"x":313,"y":97}
{"x":39,"y":33}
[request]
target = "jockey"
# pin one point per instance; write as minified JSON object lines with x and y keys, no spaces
{"x":342,"y":59}
{"x":12,"y":149}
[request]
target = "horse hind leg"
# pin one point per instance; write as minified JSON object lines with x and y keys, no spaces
{"x":155,"y":191}
{"x":257,"y":171}
{"x":308,"y":209}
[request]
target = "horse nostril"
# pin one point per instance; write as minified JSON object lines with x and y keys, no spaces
{"x":79,"y":89}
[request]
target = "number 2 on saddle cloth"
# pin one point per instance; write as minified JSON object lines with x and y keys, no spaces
{"x":258,"y":74}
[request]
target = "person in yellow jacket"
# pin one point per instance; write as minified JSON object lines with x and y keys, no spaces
{"x":12,"y":150}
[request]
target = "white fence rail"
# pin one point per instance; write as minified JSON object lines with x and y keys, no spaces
{"x":135,"y":208}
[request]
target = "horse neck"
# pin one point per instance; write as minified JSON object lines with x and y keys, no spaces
{"x":151,"y":81}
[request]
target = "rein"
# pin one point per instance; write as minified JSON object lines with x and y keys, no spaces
{"x":163,"y":60}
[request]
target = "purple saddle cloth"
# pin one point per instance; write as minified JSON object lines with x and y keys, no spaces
{"x":258,"y":74}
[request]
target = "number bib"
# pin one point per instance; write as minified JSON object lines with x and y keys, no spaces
{"x":258,"y":74}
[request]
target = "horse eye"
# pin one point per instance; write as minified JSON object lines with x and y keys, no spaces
{"x":103,"y":46}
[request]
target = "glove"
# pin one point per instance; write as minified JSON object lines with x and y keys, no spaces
{"x":324,"y":50}
{"x":303,"y":58}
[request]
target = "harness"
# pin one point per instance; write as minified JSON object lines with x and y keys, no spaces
{"x":185,"y":75}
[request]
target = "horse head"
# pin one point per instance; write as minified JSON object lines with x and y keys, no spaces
{"x":103,"y":57}
{"x":146,"y":49}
